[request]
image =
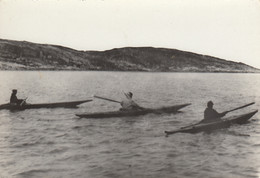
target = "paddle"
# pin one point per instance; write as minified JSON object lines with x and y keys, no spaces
{"x":99,"y":97}
{"x":138,"y":107}
{"x":23,"y":101}
{"x":225,"y":111}
{"x":126,"y":95}
{"x":240,"y":107}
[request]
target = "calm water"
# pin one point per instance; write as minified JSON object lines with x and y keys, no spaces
{"x":55,"y":143}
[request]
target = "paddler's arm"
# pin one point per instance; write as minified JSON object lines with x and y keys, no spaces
{"x":223,"y":114}
{"x":141,"y":108}
{"x":134,"y":104}
{"x":218,"y":115}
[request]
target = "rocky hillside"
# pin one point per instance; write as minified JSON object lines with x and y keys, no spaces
{"x":22,"y":55}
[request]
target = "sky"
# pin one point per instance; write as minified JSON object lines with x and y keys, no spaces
{"x":228,"y":29}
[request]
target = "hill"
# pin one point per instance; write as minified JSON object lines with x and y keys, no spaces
{"x":22,"y":55}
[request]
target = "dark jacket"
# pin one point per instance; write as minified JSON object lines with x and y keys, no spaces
{"x":211,"y":115}
{"x":15,"y":100}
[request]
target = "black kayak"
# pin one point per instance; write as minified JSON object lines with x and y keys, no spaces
{"x":208,"y":127}
{"x":169,"y":109}
{"x":70,"y":104}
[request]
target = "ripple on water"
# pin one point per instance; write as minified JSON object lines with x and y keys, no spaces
{"x":55,"y":143}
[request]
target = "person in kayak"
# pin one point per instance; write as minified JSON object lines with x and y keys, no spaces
{"x":14,"y":100}
{"x":211,"y":115}
{"x":129,"y":104}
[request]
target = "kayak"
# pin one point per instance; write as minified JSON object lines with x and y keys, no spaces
{"x":208,"y":127}
{"x":70,"y":104}
{"x":169,"y":109}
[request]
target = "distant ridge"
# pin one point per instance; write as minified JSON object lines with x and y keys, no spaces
{"x":22,"y":55}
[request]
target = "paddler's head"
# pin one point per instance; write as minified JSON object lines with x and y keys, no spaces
{"x":14,"y":91}
{"x":129,"y":95}
{"x":210,"y":104}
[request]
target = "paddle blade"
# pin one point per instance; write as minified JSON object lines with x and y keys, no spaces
{"x":107,"y":99}
{"x":241,"y":107}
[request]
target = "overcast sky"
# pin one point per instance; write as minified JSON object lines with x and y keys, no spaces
{"x":228,"y":29}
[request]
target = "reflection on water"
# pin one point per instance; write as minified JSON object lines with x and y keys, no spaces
{"x":55,"y":143}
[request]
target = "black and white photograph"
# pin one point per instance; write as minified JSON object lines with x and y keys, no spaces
{"x":129,"y":89}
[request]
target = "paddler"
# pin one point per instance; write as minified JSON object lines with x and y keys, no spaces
{"x":129,"y":104}
{"x":14,"y":100}
{"x":211,"y":115}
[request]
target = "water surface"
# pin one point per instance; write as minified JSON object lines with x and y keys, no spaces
{"x":55,"y":143}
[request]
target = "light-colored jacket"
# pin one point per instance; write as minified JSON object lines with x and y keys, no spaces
{"x":129,"y":104}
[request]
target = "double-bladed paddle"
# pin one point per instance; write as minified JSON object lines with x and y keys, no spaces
{"x":99,"y":97}
{"x":23,"y":101}
{"x":223,"y":112}
{"x":240,"y":107}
